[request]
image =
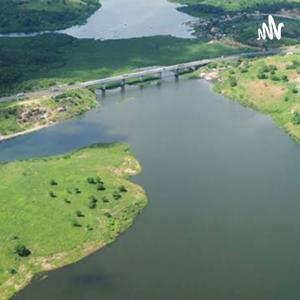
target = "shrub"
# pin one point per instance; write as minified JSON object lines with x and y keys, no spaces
{"x":108,"y":215}
{"x":77,"y":191}
{"x":232,"y":81}
{"x":22,"y":251}
{"x":75,"y":223}
{"x":101,"y":187}
{"x":91,"y":180}
{"x":261,"y":75}
{"x":13,"y":271}
{"x":122,"y":189}
{"x":296,"y":118}
{"x":105,"y":199}
{"x":285,"y":78}
{"x":79,"y":214}
{"x":67,"y":200}
{"x":93,"y":202}
{"x":295,"y":91}
{"x":117,"y":195}
{"x":53,"y":182}
{"x":52,"y":194}
{"x":89,"y":228}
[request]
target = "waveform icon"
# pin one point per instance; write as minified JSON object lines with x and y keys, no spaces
{"x":271,"y":30}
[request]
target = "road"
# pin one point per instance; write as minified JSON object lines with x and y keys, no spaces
{"x":54,"y":91}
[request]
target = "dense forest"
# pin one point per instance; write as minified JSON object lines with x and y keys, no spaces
{"x":38,"y":15}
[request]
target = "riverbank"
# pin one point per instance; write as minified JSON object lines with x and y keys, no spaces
{"x":48,"y":197}
{"x":25,"y":116}
{"x":269,"y":85}
{"x":35,"y":15}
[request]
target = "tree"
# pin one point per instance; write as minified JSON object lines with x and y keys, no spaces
{"x":22,"y":251}
{"x":122,"y":189}
{"x":53,"y":182}
{"x":91,"y":180}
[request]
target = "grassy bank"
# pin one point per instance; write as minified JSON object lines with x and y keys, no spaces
{"x":32,"y":63}
{"x":21,"y":116}
{"x":41,"y":15}
{"x":269,"y":85}
{"x":54,"y":211}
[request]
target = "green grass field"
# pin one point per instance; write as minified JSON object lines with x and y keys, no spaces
{"x":39,"y":15}
{"x":62,"y":208}
{"x":269,"y":85}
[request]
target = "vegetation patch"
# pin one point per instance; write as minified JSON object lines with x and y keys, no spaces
{"x":21,"y":116}
{"x":53,"y":212}
{"x":270,"y":85}
{"x":41,"y":15}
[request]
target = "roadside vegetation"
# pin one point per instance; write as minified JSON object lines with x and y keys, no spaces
{"x":52,"y":59}
{"x":21,"y":116}
{"x":41,"y":15}
{"x":269,"y":85}
{"x":82,"y":200}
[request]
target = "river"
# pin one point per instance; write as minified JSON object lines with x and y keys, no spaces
{"x":122,"y":19}
{"x":223,"y":185}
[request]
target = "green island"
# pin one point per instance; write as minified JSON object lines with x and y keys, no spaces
{"x":42,"y":15}
{"x":84,"y":199}
{"x":270,"y":85}
{"x":18,"y":117}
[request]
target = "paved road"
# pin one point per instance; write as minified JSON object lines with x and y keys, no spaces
{"x":54,"y":91}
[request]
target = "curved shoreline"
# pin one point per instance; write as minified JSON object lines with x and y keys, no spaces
{"x":136,"y":197}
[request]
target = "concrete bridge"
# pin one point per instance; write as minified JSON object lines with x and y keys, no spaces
{"x":158,"y":72}
{"x":124,"y":79}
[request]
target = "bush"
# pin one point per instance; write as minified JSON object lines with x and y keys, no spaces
{"x":93,"y":202}
{"x":91,"y":180}
{"x":232,"y":81}
{"x":295,"y":91}
{"x":79,"y":214}
{"x":67,"y":200}
{"x":52,"y":194}
{"x":285,"y":78}
{"x":53,"y":182}
{"x":262,"y":75}
{"x":101,"y":187}
{"x":105,"y":199}
{"x":22,"y":251}
{"x":117,"y":195}
{"x":296,"y":118}
{"x":75,"y":223}
{"x":122,"y":189}
{"x":77,"y":191}
{"x":108,"y":215}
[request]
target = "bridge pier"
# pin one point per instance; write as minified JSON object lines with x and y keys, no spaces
{"x":123,"y":83}
{"x":176,"y":73}
{"x":103,"y":90}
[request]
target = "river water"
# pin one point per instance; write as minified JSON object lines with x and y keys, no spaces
{"x":122,"y":19}
{"x":223,"y":185}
